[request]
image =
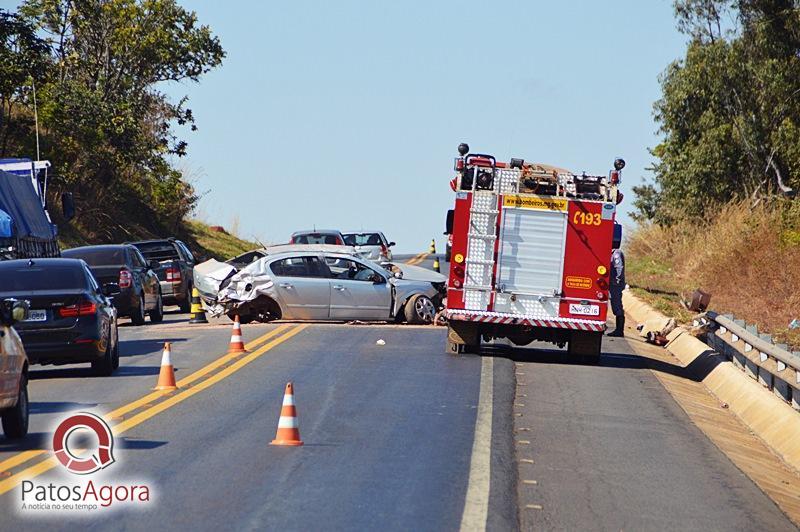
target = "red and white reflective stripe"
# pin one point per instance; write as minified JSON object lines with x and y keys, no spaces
{"x":287,"y":422}
{"x":577,"y":325}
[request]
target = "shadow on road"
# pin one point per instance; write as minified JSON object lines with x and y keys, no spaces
{"x":696,"y":371}
{"x":45,"y":407}
{"x":137,"y":444}
{"x":34,"y":440}
{"x":135,"y":348}
{"x":79,"y":373}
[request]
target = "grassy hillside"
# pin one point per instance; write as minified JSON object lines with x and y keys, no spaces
{"x":202,"y":241}
{"x":747,"y":257}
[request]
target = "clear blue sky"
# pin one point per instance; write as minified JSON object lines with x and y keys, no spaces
{"x":348,"y":114}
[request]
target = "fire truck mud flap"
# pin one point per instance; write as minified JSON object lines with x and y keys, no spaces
{"x":585,"y":345}
{"x":463,"y":337}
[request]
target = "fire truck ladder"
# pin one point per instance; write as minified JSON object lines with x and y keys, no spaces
{"x":483,"y":234}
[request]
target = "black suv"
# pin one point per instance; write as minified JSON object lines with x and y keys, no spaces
{"x":175,"y":272}
{"x":140,"y":293}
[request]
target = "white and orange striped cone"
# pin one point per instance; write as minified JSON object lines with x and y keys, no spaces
{"x":237,"y":344}
{"x":288,"y":430}
{"x":166,"y":377}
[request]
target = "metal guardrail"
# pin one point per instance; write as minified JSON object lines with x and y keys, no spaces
{"x":772,"y":365}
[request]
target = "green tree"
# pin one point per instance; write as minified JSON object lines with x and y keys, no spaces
{"x":24,"y":59}
{"x":108,"y":123}
{"x":729,"y":111}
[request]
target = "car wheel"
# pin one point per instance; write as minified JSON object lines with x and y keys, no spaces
{"x":420,"y":309}
{"x":137,"y":314}
{"x":105,"y":366}
{"x":157,"y":314}
{"x":186,"y":304}
{"x":15,"y":420}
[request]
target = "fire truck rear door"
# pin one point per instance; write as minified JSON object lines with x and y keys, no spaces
{"x":531,"y":255}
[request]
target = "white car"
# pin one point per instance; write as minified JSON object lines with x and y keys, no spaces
{"x":371,"y":245}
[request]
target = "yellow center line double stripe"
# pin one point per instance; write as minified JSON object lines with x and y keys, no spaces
{"x":419,"y":257}
{"x":119,"y":428}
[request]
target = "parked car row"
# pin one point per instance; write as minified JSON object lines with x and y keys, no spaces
{"x":150,"y":274}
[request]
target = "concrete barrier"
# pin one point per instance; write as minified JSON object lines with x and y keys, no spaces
{"x":770,"y":418}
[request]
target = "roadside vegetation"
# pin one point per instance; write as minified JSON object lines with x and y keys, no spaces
{"x":93,"y":73}
{"x":720,"y":213}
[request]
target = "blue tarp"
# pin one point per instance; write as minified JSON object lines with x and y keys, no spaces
{"x":6,"y":225}
{"x":19,"y":200}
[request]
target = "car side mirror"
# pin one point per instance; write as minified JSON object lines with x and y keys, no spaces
{"x":68,"y":206}
{"x":154,"y":264}
{"x":398,"y":275}
{"x":19,"y":310}
{"x":111,"y":289}
{"x":392,"y":244}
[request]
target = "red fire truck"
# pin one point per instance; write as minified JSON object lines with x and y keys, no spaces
{"x":531,"y":247}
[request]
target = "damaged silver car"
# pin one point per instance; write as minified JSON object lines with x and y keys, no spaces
{"x":313,"y":283}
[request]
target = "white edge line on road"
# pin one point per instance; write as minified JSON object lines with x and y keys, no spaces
{"x":476,"y":504}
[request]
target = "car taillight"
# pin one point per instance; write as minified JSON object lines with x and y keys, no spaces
{"x":125,"y":279}
{"x":602,"y":284}
{"x":601,"y":296}
{"x":84,"y":308}
{"x":173,"y":275}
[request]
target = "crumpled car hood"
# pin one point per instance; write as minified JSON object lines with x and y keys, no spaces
{"x":248,"y":284}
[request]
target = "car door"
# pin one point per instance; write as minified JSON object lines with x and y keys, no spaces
{"x":302,"y":287}
{"x":358,"y":291}
{"x":147,"y":277}
{"x":7,"y":352}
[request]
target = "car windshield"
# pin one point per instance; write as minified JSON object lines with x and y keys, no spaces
{"x":363,"y":239}
{"x":98,"y":256}
{"x":31,"y":278}
{"x":158,"y":251}
{"x":317,"y":238}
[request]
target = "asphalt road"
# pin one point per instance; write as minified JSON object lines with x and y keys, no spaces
{"x":397,"y":436}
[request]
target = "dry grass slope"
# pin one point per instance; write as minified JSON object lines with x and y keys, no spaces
{"x":747,"y":257}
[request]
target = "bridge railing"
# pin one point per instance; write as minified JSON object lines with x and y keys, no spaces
{"x":771,"y":364}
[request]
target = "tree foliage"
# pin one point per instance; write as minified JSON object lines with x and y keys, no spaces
{"x":107,"y":125}
{"x":730,"y":109}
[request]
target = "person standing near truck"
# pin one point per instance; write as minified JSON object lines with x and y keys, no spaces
{"x":617,"y":284}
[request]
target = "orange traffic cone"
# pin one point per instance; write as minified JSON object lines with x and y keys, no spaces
{"x":166,"y":378}
{"x":288,"y":432}
{"x":237,"y":345}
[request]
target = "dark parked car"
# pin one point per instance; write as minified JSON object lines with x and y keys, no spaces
{"x":71,"y":319}
{"x":140,"y":292}
{"x":175,"y":270}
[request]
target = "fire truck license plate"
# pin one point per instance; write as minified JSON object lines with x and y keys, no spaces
{"x":584,"y":310}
